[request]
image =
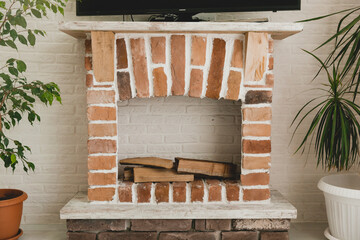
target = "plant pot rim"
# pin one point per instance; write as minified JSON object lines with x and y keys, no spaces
{"x":19,"y":199}
{"x":342,"y":185}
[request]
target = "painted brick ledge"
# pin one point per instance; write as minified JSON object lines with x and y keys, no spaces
{"x":80,"y":208}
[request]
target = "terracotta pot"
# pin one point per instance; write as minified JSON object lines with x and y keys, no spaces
{"x":11,"y":205}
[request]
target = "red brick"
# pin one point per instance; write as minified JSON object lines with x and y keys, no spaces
{"x":101,"y":194}
{"x":200,"y":224}
{"x":161,"y":225}
{"x":127,"y":235}
{"x":102,"y":130}
{"x":218,"y":224}
{"x":274,"y":236}
{"x":269,"y":80}
{"x":121,"y":54}
{"x":216,"y":69}
{"x":88,"y":46}
{"x":271,"y":46}
{"x":160,"y":82}
{"x":214,"y":189}
{"x":178,"y":64}
{"x":255,"y":146}
{"x":81,"y":236}
{"x":140,"y":67}
{"x":125,"y":192}
{"x":158,"y":45}
{"x":101,"y":113}
{"x":99,"y":97}
{"x":82,"y":225}
{"x":124,"y":87}
{"x":88,"y":63}
{"x":233,"y":82}
{"x":101,"y":178}
{"x":256,"y":194}
{"x":196,"y":82}
{"x":243,"y":235}
{"x":257,"y":114}
{"x":237,"y":57}
{"x":271,"y":63}
{"x":232,"y":191}
{"x":198,"y":51}
{"x":255,"y":97}
{"x":101,"y":146}
{"x":89,"y":80}
{"x":101,"y":162}
{"x":179,"y":192}
{"x":256,"y":130}
{"x":188,"y":236}
{"x":162,"y":192}
{"x":197,"y":191}
{"x":252,"y":179}
{"x":144,"y":192}
{"x":256,"y":162}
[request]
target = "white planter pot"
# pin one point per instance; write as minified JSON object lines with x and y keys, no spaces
{"x":342,"y":198}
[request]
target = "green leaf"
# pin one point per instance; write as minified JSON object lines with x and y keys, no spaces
{"x":13,"y":71}
{"x":13,"y":158}
{"x":31,"y":38}
{"x":20,"y":20}
{"x":36,"y":13}
{"x":6,"y":142}
{"x":21,"y":66}
{"x":2,"y":5}
{"x":54,"y":8}
{"x":22,"y":39}
{"x":13,"y":34}
{"x":11,"y":44}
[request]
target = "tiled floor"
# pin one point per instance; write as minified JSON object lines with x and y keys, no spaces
{"x":299,"y":231}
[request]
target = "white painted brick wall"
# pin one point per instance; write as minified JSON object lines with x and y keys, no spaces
{"x":59,"y":142}
{"x":170,"y":127}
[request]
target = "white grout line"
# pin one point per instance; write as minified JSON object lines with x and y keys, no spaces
{"x":229,"y":49}
{"x":188,"y":192}
{"x":167,"y":67}
{"x":188,"y":50}
{"x":171,"y":193}
{"x":148,"y":64}
{"x":206,"y":192}
{"x":209,"y":44}
{"x":130,"y":66}
{"x":134,"y":192}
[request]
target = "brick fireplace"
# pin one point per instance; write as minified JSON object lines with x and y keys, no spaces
{"x":229,"y":63}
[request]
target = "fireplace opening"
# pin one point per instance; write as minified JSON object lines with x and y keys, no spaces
{"x":178,"y":127}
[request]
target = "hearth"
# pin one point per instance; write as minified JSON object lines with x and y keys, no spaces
{"x":129,"y":64}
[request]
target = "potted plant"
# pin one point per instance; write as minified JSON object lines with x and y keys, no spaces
{"x":335,"y":129}
{"x":17,"y":98}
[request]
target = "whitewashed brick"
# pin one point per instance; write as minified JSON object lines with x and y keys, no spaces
{"x":198,"y":148}
{"x":181,"y":138}
{"x":145,"y":139}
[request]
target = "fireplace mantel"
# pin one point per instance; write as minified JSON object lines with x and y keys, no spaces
{"x":278,"y":30}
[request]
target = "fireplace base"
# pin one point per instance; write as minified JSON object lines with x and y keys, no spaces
{"x":179,"y":229}
{"x":226,"y":221}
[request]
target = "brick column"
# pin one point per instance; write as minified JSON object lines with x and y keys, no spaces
{"x":256,"y":117}
{"x":102,"y":116}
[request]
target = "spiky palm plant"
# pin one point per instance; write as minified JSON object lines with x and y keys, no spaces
{"x":335,"y":126}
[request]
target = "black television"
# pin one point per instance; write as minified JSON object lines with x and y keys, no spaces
{"x":179,"y":7}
